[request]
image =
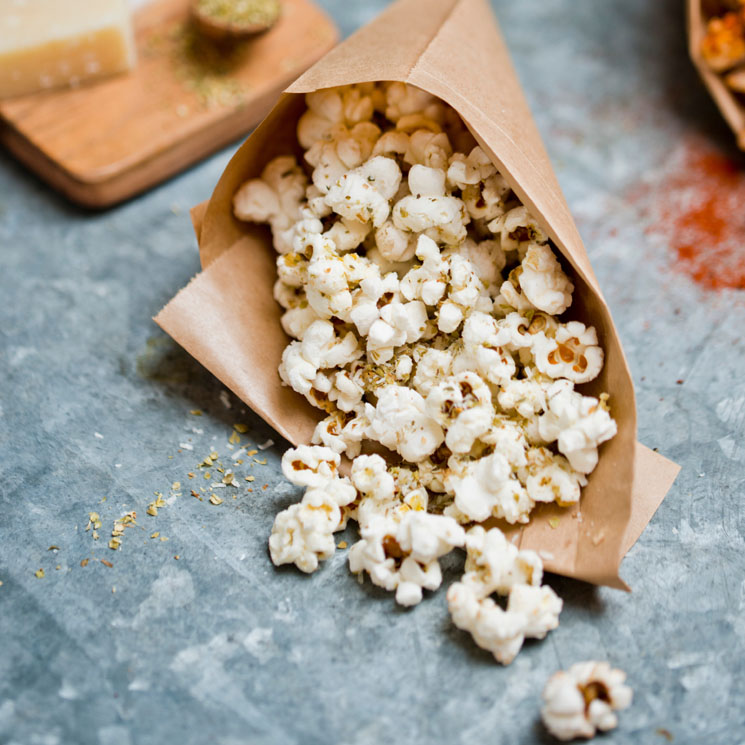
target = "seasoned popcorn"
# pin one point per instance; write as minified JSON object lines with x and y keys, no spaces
{"x":495,"y":566}
{"x":423,"y":300}
{"x":582,"y":700}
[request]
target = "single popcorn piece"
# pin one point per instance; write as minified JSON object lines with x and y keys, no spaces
{"x":310,"y":466}
{"x":344,"y":150}
{"x":572,"y":353}
{"x":578,"y":424}
{"x":274,"y":198}
{"x":402,"y":555}
{"x":517,"y":230}
{"x":429,"y":208}
{"x":584,"y":699}
{"x":333,"y":107}
{"x":401,"y":422}
{"x":494,"y":565}
{"x":462,"y":406}
{"x":320,"y":348}
{"x":427,"y":282}
{"x":543,"y":281}
{"x":486,"y":487}
{"x":363,"y":193}
{"x":483,"y":352}
{"x":303,"y":533}
{"x":550,"y":478}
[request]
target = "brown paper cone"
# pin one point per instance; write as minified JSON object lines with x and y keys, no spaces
{"x":732,"y":110}
{"x":228,"y":320}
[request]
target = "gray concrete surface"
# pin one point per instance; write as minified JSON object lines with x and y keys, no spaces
{"x":219,"y":647}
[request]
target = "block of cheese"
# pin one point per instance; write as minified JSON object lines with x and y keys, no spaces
{"x":53,"y":43}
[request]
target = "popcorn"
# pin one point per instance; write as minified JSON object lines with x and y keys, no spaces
{"x":362,"y":194}
{"x":274,"y":198}
{"x":429,"y":208}
{"x":482,"y":351}
{"x":584,"y":699}
{"x":401,"y":422}
{"x":543,"y":281}
{"x":344,"y":150}
{"x":578,"y":424}
{"x":303,"y":533}
{"x":433,"y":365}
{"x":320,"y":348}
{"x":310,"y":466}
{"x":464,"y":171}
{"x":403,"y":555}
{"x":485,"y":488}
{"x":462,"y":405}
{"x":427,"y":282}
{"x":421,"y":298}
{"x":572,"y":353}
{"x":399,"y":323}
{"x":330,"y":108}
{"x":494,"y":565}
{"x":517,"y":230}
{"x":549,"y":478}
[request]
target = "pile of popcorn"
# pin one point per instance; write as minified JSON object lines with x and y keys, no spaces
{"x":423,"y":303}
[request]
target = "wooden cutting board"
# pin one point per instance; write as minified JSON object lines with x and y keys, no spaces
{"x":105,"y":142}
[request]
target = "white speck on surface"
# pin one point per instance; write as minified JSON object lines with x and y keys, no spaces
{"x":186,"y":446}
{"x":238,"y":453}
{"x":117,"y":465}
{"x":98,"y":435}
{"x":139,"y":684}
{"x":67,"y":691}
{"x":225,"y":399}
{"x":259,"y":644}
{"x":265,"y":445}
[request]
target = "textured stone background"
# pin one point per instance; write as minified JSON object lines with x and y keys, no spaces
{"x":218,"y":646}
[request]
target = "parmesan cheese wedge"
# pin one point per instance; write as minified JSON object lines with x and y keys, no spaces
{"x":50,"y":43}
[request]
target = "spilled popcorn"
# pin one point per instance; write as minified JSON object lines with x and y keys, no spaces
{"x":425,"y":307}
{"x":584,"y":699}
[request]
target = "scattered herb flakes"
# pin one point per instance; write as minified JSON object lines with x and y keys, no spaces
{"x":177,"y":557}
{"x":242,"y":428}
{"x":1,"y":583}
{"x":163,"y":539}
{"x":240,"y":461}
{"x":39,"y":574}
{"x":94,"y":521}
{"x":196,"y":412}
{"x":250,"y":478}
{"x":152,"y":510}
{"x":115,"y":544}
{"x":234,"y":439}
{"x":84,"y":562}
{"x":53,"y":548}
{"x":214,"y":499}
{"x":190,"y":475}
{"x":206,"y":463}
{"x":155,"y":535}
{"x":207,"y":475}
{"x":95,"y":535}
{"x":260,"y":461}
{"x":195,"y":493}
{"x":553,"y":522}
{"x":252,"y":452}
{"x":175,"y":486}
{"x":58,"y":567}
{"x":342,"y":544}
{"x":265,"y":487}
{"x":230,"y":480}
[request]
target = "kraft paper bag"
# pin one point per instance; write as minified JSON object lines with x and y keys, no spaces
{"x":228,"y":320}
